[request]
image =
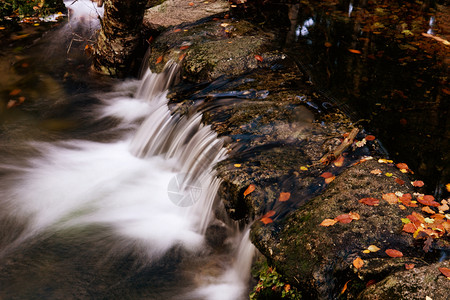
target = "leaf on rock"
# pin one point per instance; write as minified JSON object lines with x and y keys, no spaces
{"x":284,"y":196}
{"x":328,"y":222}
{"x":427,"y":200}
{"x":330,"y":179}
{"x":418,"y":183}
{"x":445,"y":271}
{"x":394,"y":253}
{"x":339,"y":162}
{"x":391,"y":198}
{"x":250,"y":189}
{"x":259,"y":58}
{"x":354,"y":216}
{"x":266,"y":220}
{"x":427,"y":209}
{"x":376,"y":172}
{"x":15,"y":92}
{"x":409,"y":228}
{"x":344,"y":218}
{"x":269,"y":214}
{"x":409,"y":266}
{"x":370,"y":201}
{"x":373,"y":248}
{"x":158,"y":60}
{"x":358,"y":263}
{"x":447,"y":186}
{"x":399,"y":181}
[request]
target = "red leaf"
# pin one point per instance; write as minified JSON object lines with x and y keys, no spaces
{"x":418,"y":183}
{"x":177,"y":30}
{"x":370,"y":201}
{"x":410,"y":228}
{"x":15,"y":92}
{"x":371,"y":282}
{"x":326,"y":175}
{"x":354,"y":51}
{"x":370,"y":137}
{"x":184,"y":47}
{"x":445,"y":272}
{"x":250,"y":189}
{"x":428,"y":200}
{"x":266,"y":220}
{"x":344,"y":218}
{"x":269,"y":214}
{"x":409,"y":266}
{"x":259,"y":57}
{"x":393,"y":253}
{"x":284,"y":196}
{"x":158,"y":60}
{"x":399,"y":181}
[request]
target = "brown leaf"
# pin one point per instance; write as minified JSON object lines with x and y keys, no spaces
{"x":399,"y":181}
{"x":354,"y":216}
{"x":328,"y":44}
{"x":371,"y":282}
{"x":250,"y":189}
{"x":391,"y":198}
{"x":358,"y":263}
{"x":370,"y":137}
{"x":445,"y":271}
{"x":370,"y":201}
{"x":328,"y":222}
{"x":427,"y":244}
{"x":394,"y":253}
{"x":284,"y":196}
{"x":418,"y":183}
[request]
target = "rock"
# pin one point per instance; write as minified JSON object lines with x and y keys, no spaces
{"x":417,"y":283}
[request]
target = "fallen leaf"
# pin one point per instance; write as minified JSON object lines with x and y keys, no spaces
{"x":427,"y":209}
{"x":399,"y":181}
{"x":329,"y":179}
{"x":328,"y":222}
{"x":354,"y":216}
{"x":409,"y":266}
{"x":354,"y":51}
{"x":447,"y":186}
{"x":284,"y":196}
{"x":184,"y":47}
{"x":418,"y":183}
{"x":376,"y":172}
{"x":327,"y":44}
{"x":158,"y":60}
{"x":394,"y":253}
{"x":181,"y":57}
{"x":371,"y":282}
{"x":370,"y":201}
{"x":250,"y":189}
{"x":191,"y":3}
{"x":389,"y":174}
{"x":339,"y":162}
{"x":10,"y":104}
{"x":409,"y":228}
{"x":370,"y":137}
{"x":391,"y":198}
{"x":303,"y":168}
{"x":225,"y":25}
{"x":344,"y":218}
{"x":326,"y":175}
{"x":427,"y":200}
{"x":269,"y":214}
{"x":259,"y":58}
{"x":358,"y":263}
{"x":445,"y":271}
{"x":21,"y":99}
{"x":345,"y":287}
{"x":237,"y":165}
{"x":266,"y":220}
{"x":366,"y":251}
{"x":373,"y":248}
{"x":15,"y":92}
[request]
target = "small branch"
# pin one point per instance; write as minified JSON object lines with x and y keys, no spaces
{"x":347,"y":142}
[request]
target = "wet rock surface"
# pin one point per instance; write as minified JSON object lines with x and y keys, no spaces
{"x":278,"y":129}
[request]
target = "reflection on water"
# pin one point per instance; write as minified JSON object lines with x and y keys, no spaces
{"x":374,"y":61}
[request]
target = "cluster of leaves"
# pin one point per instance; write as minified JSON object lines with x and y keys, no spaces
{"x":271,"y":285}
{"x":29,"y":8}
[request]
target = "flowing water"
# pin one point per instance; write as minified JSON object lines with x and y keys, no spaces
{"x":107,"y":194}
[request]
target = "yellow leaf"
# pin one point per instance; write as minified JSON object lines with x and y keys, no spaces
{"x":366,"y":251}
{"x":373,"y":248}
{"x":237,"y":165}
{"x":389,"y":174}
{"x":303,"y":168}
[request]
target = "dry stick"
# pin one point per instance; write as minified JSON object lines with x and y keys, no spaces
{"x":341,"y":148}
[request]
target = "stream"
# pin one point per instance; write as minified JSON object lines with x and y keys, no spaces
{"x":104,"y":193}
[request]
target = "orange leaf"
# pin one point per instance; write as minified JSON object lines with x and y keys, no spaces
{"x":402,"y":166}
{"x":266,"y":220}
{"x":250,"y":189}
{"x":445,"y":272}
{"x":330,"y":179}
{"x":184,"y":47}
{"x":11,"y":103}
{"x":354,"y":216}
{"x":370,"y":137}
{"x":376,"y":172}
{"x":15,"y":92}
{"x":428,"y":200}
{"x":354,"y":51}
{"x":328,"y":44}
{"x":391,"y":198}
{"x":177,"y":30}
{"x":259,"y":57}
{"x":191,"y":3}
{"x":344,"y":218}
{"x":427,"y":209}
{"x":447,"y":187}
{"x":393,"y":253}
{"x":181,"y":57}
{"x":409,"y":266}
{"x":269,"y":214}
{"x":284,"y":196}
{"x":339,"y":162}
{"x":328,"y":222}
{"x":345,"y":286}
{"x":410,"y":228}
{"x":370,"y":201}
{"x":159,"y":59}
{"x":326,"y":175}
{"x":358,"y":263}
{"x":418,"y":183}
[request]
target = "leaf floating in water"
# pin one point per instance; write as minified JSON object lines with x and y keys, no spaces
{"x":394,"y":253}
{"x":354,"y":51}
{"x":284,"y":196}
{"x":259,"y":58}
{"x":250,"y":189}
{"x":158,"y":60}
{"x":330,"y":179}
{"x":328,"y":222}
{"x":370,"y":137}
{"x":370,"y":201}
{"x":326,"y":175}
{"x":358,"y":263}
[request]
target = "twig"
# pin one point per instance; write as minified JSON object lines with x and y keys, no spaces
{"x":330,"y":156}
